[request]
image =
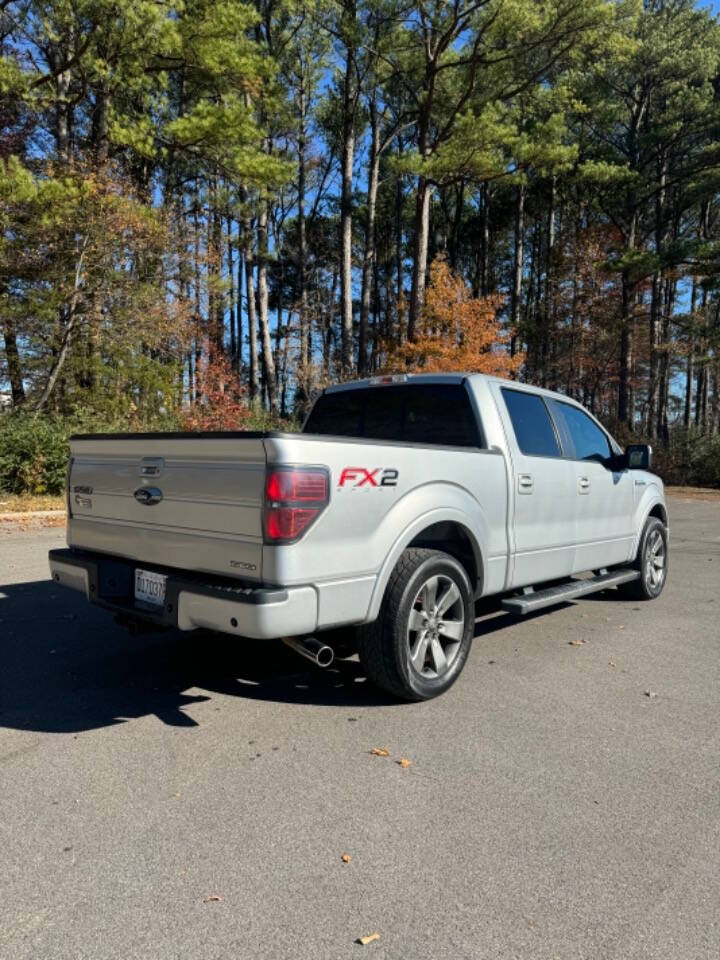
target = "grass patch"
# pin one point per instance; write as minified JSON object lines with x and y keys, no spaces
{"x":29,"y":503}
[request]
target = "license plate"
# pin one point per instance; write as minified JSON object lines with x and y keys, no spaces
{"x":150,"y":587}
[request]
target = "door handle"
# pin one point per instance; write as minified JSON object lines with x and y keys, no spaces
{"x":583,"y":485}
{"x":525,"y":483}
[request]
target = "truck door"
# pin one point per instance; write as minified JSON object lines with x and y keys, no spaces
{"x":543,"y":509}
{"x":604,"y":496}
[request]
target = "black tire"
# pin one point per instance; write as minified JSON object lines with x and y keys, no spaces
{"x":386,"y":646}
{"x":653,"y":549}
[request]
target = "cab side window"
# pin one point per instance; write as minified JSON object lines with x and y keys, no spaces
{"x":534,"y":430}
{"x":588,"y":440}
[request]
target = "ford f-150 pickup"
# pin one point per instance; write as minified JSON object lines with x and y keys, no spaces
{"x":374,"y":530}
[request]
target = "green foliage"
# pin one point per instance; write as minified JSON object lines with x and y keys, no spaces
{"x":692,"y":457}
{"x":33,"y":454}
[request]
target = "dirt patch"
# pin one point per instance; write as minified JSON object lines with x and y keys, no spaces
{"x":31,"y":520}
{"x":694,"y":493}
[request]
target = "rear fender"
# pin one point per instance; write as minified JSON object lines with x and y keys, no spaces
{"x":448,"y":503}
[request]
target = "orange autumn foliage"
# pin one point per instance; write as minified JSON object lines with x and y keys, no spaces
{"x":458,"y":332}
{"x":222,"y":400}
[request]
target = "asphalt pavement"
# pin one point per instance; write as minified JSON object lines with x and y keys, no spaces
{"x":180,"y":797}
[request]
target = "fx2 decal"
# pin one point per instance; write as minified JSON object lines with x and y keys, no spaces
{"x":361,"y":477}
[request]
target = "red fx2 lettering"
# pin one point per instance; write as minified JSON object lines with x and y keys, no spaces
{"x":361,"y":477}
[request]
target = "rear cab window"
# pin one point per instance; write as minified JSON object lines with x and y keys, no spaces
{"x":437,"y":414}
{"x":533,"y":427}
{"x":587,"y":441}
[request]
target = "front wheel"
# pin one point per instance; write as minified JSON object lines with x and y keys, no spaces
{"x":418,"y":646}
{"x":651,"y":561}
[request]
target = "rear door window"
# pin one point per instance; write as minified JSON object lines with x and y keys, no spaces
{"x":588,"y":440}
{"x":437,"y":414}
{"x":534,"y":430}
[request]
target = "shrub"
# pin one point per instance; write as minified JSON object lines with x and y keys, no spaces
{"x":33,"y":454}
{"x":692,"y":457}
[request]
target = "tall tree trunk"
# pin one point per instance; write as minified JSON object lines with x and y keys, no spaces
{"x":100,"y":132}
{"x":303,"y":318}
{"x":663,"y":426}
{"x":284,"y":375}
{"x":690,"y":362}
{"x":198,"y":324}
{"x":702,"y":384}
{"x":231,"y":292}
{"x":327,"y":332}
{"x":217,"y":311}
{"x":516,"y":297}
{"x":422,"y":244}
{"x":484,"y":246}
{"x":69,"y":313}
{"x":12,"y":357}
{"x":629,"y":289}
{"x":548,"y":334}
{"x":279,"y":325}
{"x":348,"y":159}
{"x":657,"y":300}
{"x":399,"y":273}
{"x":253,"y":378}
{"x":238,"y":358}
{"x":62,"y":109}
{"x":263,"y":311}
{"x":456,"y":225}
{"x":369,"y":253}
{"x":422,"y":204}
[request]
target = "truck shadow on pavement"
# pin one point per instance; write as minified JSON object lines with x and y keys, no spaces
{"x":66,"y":667}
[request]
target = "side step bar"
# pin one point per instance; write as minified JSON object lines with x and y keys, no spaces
{"x":535,"y":600}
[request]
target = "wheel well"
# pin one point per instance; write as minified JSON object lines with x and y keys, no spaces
{"x":454,"y":539}
{"x":660,"y":512}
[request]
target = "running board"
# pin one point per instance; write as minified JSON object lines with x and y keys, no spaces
{"x":535,"y":600}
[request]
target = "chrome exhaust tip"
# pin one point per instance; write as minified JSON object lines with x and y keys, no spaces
{"x":312,"y":649}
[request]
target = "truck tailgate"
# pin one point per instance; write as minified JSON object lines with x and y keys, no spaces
{"x":180,"y":501}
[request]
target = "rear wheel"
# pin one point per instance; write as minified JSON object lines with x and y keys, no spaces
{"x":418,"y":646}
{"x":651,"y":561}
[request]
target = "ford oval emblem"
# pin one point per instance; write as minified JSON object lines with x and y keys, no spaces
{"x":148,"y":496}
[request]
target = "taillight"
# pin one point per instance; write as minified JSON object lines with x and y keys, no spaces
{"x":294,"y":498}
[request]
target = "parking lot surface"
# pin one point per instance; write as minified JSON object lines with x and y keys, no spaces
{"x":181,"y":797}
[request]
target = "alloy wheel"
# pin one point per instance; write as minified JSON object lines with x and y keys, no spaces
{"x":436,"y":627}
{"x":655,"y":560}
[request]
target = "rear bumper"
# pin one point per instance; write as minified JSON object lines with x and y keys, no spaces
{"x":191,"y":601}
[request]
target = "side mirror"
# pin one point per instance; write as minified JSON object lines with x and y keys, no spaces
{"x":639,"y":456}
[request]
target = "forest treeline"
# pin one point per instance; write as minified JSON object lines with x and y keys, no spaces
{"x":212,"y":208}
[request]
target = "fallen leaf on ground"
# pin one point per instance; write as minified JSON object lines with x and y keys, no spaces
{"x":368,"y":939}
{"x":575,"y":643}
{"x":346,"y":858}
{"x":380,"y":752}
{"x":404,"y":762}
{"x":213,"y":898}
{"x":651,"y":694}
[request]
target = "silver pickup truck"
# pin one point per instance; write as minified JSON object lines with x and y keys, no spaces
{"x":373,"y":531}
